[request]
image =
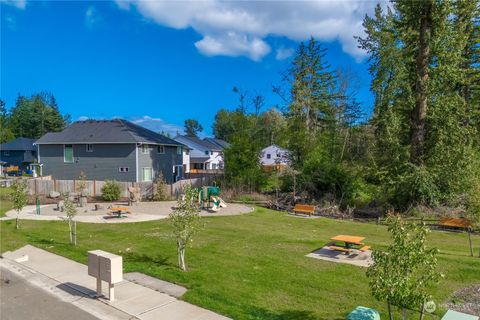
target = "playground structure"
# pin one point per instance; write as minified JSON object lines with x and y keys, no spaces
{"x":209,"y":198}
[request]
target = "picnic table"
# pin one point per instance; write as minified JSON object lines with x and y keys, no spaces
{"x":119,"y":211}
{"x":350,"y":242}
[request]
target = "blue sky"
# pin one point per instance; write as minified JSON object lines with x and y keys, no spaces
{"x":159,"y":63}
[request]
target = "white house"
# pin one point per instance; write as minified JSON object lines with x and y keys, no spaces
{"x":274,"y":156}
{"x":206,"y":154}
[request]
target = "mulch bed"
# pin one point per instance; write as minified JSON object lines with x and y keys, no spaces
{"x":466,"y":300}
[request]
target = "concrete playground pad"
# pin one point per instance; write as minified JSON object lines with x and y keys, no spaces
{"x":356,"y":257}
{"x":144,"y":211}
{"x":69,"y":280}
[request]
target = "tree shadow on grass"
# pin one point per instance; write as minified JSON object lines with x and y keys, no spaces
{"x":260,"y":313}
{"x":143,"y":258}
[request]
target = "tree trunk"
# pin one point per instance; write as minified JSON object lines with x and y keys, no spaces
{"x":17,"y":225}
{"x":70,"y":230}
{"x":422,"y":311}
{"x":389,"y":311}
{"x":470,"y":242}
{"x":182,"y":259}
{"x":404,"y":314}
{"x":74,"y":233}
{"x":420,"y":111}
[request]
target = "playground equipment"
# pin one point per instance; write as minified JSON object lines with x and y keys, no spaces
{"x":209,"y":198}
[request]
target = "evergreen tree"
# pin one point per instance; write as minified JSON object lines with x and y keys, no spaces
{"x":192,"y":127}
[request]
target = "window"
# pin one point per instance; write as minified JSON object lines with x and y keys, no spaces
{"x":145,"y":149}
{"x":179,"y":150}
{"x":187,"y":152}
{"x":160,"y":149}
{"x":89,"y":147}
{"x":6,"y":153}
{"x":207,"y":153}
{"x":123,"y":169}
{"x":214,"y":166}
{"x":147,"y":174}
{"x":211,"y":153}
{"x":269,"y":156}
{"x":68,"y":153}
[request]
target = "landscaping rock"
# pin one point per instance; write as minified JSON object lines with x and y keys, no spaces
{"x":54,"y":194}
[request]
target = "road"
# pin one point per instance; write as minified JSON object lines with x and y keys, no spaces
{"x":21,"y":300}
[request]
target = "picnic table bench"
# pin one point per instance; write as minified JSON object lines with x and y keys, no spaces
{"x":304,"y":208}
{"x":455,"y":223}
{"x":119,"y":211}
{"x":349,"y":241}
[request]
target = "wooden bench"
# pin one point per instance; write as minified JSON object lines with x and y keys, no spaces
{"x":364,"y":248}
{"x":455,"y":223}
{"x":341,"y":249}
{"x":304,"y":208}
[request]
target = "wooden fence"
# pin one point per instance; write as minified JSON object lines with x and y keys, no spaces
{"x":41,"y":187}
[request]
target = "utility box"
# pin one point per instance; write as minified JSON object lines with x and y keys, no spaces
{"x":111,"y":268}
{"x":105,"y":266}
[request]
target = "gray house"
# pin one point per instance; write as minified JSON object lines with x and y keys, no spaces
{"x":110,"y":149}
{"x":19,"y":152}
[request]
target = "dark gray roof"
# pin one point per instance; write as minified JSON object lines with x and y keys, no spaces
{"x":19,"y":144}
{"x":106,"y":131}
{"x":221,"y":143}
{"x":204,"y":143}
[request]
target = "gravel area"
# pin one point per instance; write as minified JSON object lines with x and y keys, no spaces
{"x":466,"y":300}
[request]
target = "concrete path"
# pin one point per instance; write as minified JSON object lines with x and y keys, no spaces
{"x":69,"y":280}
{"x":144,"y":211}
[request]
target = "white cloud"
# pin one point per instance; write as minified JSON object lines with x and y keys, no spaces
{"x":20,"y":4}
{"x":82,"y":118}
{"x":158,"y":125}
{"x":284,"y":53}
{"x":92,"y":17}
{"x":239,"y":28}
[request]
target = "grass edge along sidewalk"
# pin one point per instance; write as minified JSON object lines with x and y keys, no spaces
{"x":250,"y":266}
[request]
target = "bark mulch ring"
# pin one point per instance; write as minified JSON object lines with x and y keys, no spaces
{"x":466,"y":300}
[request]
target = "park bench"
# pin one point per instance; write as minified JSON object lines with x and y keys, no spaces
{"x":304,"y":208}
{"x":364,"y":248}
{"x":455,"y":223}
{"x":341,"y":249}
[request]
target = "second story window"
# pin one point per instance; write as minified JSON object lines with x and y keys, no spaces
{"x":207,"y":153}
{"x":160,"y":149}
{"x":6,"y":153}
{"x":179,"y":150}
{"x":89,"y":147}
{"x":269,"y":156}
{"x":68,"y":153}
{"x":145,"y":149}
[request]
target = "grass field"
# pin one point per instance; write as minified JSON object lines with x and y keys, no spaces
{"x":5,"y":203}
{"x":251,"y":266}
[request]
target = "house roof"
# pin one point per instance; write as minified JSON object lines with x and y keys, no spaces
{"x":19,"y":144}
{"x":221,"y":143}
{"x":209,"y":144}
{"x":106,"y":131}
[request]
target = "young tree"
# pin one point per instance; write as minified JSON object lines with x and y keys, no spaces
{"x":71,"y":212}
{"x":161,"y":191}
{"x":192,"y":127}
{"x":402,"y":274}
{"x":82,"y":186}
{"x":185,"y":219}
{"x":19,"y":197}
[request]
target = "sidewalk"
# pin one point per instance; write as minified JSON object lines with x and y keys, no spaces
{"x":70,"y":281}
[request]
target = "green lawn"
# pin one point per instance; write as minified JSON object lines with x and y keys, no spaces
{"x":251,"y":266}
{"x":5,"y":203}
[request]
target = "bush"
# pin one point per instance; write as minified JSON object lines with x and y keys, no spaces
{"x":161,"y":192}
{"x":111,"y":190}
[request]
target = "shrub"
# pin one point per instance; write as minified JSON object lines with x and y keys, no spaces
{"x":111,"y":190}
{"x":161,"y":185}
